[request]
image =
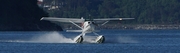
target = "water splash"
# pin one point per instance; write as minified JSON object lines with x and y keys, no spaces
{"x":51,"y":37}
{"x":56,"y":37}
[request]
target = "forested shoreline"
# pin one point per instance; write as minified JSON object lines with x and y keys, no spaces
{"x":144,"y":11}
{"x":23,"y":15}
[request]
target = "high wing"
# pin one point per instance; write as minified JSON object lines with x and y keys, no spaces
{"x":108,"y":19}
{"x":80,"y":20}
{"x":63,"y":19}
{"x":68,"y":20}
{"x":74,"y":20}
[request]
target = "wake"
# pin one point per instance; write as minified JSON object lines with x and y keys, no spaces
{"x":56,"y":37}
{"x":49,"y":37}
{"x":52,"y":37}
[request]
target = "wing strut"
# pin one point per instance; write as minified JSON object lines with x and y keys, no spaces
{"x":104,"y":23}
{"x":76,"y":24}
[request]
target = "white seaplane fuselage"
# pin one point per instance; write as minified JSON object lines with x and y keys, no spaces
{"x":88,"y":27}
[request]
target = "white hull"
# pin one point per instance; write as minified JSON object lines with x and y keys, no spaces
{"x":80,"y":39}
{"x":100,"y":39}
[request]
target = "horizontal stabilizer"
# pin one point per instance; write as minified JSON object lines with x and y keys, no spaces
{"x":73,"y":30}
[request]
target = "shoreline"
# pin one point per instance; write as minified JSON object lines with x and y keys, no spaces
{"x":143,"y":26}
{"x":133,"y":26}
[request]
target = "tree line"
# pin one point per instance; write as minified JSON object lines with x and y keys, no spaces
{"x":23,"y":15}
{"x":144,"y":11}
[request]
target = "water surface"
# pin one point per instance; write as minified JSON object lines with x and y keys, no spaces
{"x":117,"y":41}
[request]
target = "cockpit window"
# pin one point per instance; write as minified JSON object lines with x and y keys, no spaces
{"x":89,"y":22}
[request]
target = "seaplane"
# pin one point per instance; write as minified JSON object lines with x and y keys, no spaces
{"x":87,"y":26}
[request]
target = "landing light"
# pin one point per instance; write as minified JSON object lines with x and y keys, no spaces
{"x":41,"y":18}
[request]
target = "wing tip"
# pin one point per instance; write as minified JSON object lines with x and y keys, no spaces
{"x":120,"y":18}
{"x":42,"y":18}
{"x":126,"y":18}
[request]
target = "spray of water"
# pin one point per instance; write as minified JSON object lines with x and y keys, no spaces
{"x":89,"y":39}
{"x":52,"y":37}
{"x":56,"y":37}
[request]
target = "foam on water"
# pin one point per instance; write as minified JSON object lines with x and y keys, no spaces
{"x":49,"y":37}
{"x":52,"y":37}
{"x":89,"y":39}
{"x":56,"y":37}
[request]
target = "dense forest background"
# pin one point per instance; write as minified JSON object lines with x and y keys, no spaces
{"x":144,"y":11}
{"x":23,"y":15}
